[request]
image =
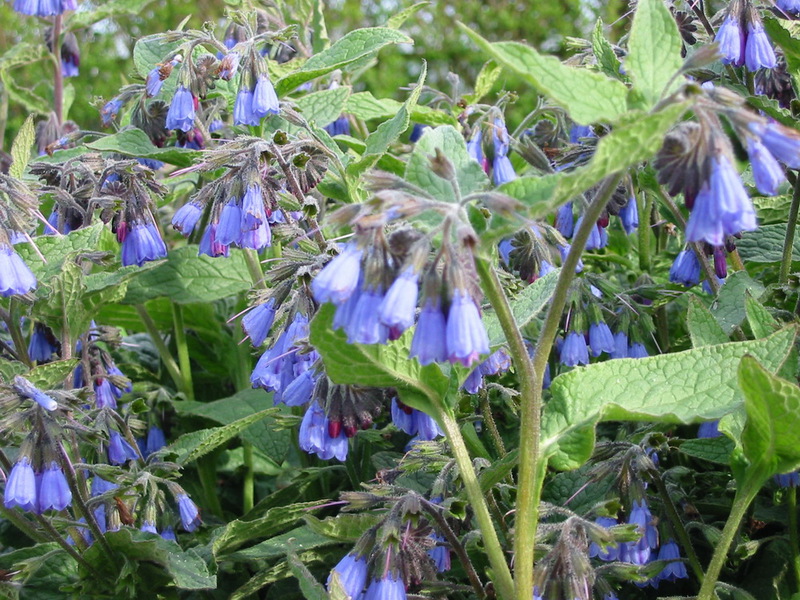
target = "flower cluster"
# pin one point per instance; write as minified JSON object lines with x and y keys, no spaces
{"x":742,"y":39}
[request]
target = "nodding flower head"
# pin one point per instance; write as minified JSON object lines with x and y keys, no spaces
{"x":337,"y":281}
{"x":574,"y":351}
{"x":265,"y":100}
{"x":181,"y":111}
{"x":186,"y":217}
{"x":428,"y":344}
{"x":758,"y":52}
{"x":351,"y":573}
{"x":54,"y":492}
{"x":767,"y":172}
{"x":465,"y":334}
{"x":398,"y":308}
{"x":685,"y":269}
{"x":731,"y":40}
{"x":315,"y":435}
{"x":243,"y":108}
{"x":190,"y":515}
{"x":21,"y":486}
{"x":387,"y":588}
{"x":258,"y":322}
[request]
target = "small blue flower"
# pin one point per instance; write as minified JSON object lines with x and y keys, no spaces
{"x":149,"y":527}
{"x":782,"y":142}
{"x":686,"y":269}
{"x":44,"y":8}
{"x":730,"y":38}
{"x":786,"y":480}
{"x":428,"y":344}
{"x":426,"y":426}
{"x":169,"y":534}
{"x":26,"y":389}
{"x":399,"y":306}
{"x":465,"y":335}
{"x":595,"y":240}
{"x":39,"y":348}
{"x":315,"y":437}
{"x":142,"y":243}
{"x":21,"y":486}
{"x":620,"y":345}
{"x":601,"y":339}
{"x":243,"y":108}
{"x":190,"y":515}
{"x":109,"y":111}
{"x":638,"y":552}
{"x":54,"y":490}
{"x":387,"y":588}
{"x":790,"y":7}
{"x":574,"y":351}
{"x":299,"y":392}
{"x":416,"y":132}
{"x":758,"y":51}
{"x":365,"y":326}
{"x":255,"y":231}
{"x":258,"y":322}
{"x":265,"y":100}
{"x":352,"y":574}
{"x":675,"y":570}
{"x":155,"y":440}
{"x":337,"y":281}
{"x":181,"y":111}
{"x":440,"y":554}
{"x":403,"y":417}
{"x":502,"y":169}
{"x":637,"y":350}
{"x":154,"y":82}
{"x":341,"y":126}
{"x":119,"y":450}
{"x":209,"y":245}
{"x":629,"y":215}
{"x":576,"y":132}
{"x":475,"y":146}
{"x":103,"y":394}
{"x":709,"y":429}
{"x":229,"y":66}
{"x":565,"y":221}
{"x":229,"y":229}
{"x":186,"y":217}
{"x":15,"y":276}
{"x":611,"y":552}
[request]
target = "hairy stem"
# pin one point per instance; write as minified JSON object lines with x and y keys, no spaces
{"x":680,"y":530}
{"x":501,"y":575}
{"x":645,"y":233}
{"x":791,"y":227}
{"x":183,"y":351}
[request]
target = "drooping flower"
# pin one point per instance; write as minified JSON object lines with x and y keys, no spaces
{"x":258,"y":322}
{"x":155,"y":440}
{"x":629,"y":215}
{"x":731,"y":40}
{"x":340,"y":126}
{"x":600,"y":338}
{"x":255,"y":231}
{"x":181,"y":111}
{"x":186,"y":217}
{"x":110,"y":111}
{"x":351,"y":573}
{"x":637,"y":350}
{"x":26,"y":389}
{"x":70,"y":56}
{"x":315,"y":437}
{"x":758,"y":52}
{"x":169,"y":534}
{"x":465,"y":334}
{"x":674,"y":570}
{"x":638,"y":552}
{"x":21,"y":486}
{"x":54,"y":490}
{"x":154,"y":82}
{"x":574,"y":351}
{"x":398,"y":307}
{"x":229,"y":229}
{"x":620,"y":345}
{"x":40,"y":348}
{"x":141,"y":244}
{"x":119,"y":450}
{"x":15,"y":276}
{"x":299,"y":391}
{"x":104,"y":397}
{"x":229,"y":66}
{"x":440,"y":554}
{"x":149,"y":527}
{"x":686,"y":269}
{"x":786,"y":480}
{"x":782,"y":142}
{"x":387,"y":588}
{"x":565,"y":221}
{"x":190,"y":515}
{"x":209,"y":245}
{"x":611,"y":553}
{"x":428,"y":344}
{"x":265,"y":100}
{"x":243,"y":108}
{"x":44,"y":8}
{"x":709,"y":429}
{"x":337,"y":281}
{"x":365,"y":326}
{"x":502,"y":169}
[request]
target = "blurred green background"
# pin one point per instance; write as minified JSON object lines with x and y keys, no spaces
{"x":107,"y":44}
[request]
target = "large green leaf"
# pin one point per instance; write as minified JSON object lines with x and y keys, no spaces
{"x":377,"y":365}
{"x":729,"y":306}
{"x":470,"y":175}
{"x":264,"y":434}
{"x":58,"y":248}
{"x":769,"y":439}
{"x":654,"y":51}
{"x":186,"y":277}
{"x":528,"y":303}
{"x":683,"y":387}
{"x":21,"y":148}
{"x":353,"y":47}
{"x":324,"y":107}
{"x":367,"y":107}
{"x":275,"y":547}
{"x":135,"y":143}
{"x":765,"y":245}
{"x":587,"y":96}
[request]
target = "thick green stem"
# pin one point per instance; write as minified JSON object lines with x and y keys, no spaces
{"x":791,"y":227}
{"x":183,"y":351}
{"x":501,"y":575}
{"x":679,"y":529}
{"x":794,"y":539}
{"x":169,"y":362}
{"x":254,"y":268}
{"x":740,"y":504}
{"x":645,"y":233}
{"x":248,"y":485}
{"x":12,"y":322}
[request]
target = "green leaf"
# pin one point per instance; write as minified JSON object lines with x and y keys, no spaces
{"x":30,"y":100}
{"x":51,"y":375}
{"x":470,"y":175}
{"x":536,"y":193}
{"x":487,"y":77}
{"x":319,"y":28}
{"x":186,"y":278}
{"x":39,"y":571}
{"x":717,"y":450}
{"x":729,"y":307}
{"x":58,"y":248}
{"x":353,"y":47}
{"x":604,"y":52}
{"x":703,"y":327}
{"x":324,"y":107}
{"x":9,"y":368}
{"x":378,"y":365}
{"x":264,"y":434}
{"x":396,"y":20}
{"x":22,"y":53}
{"x":109,"y":8}
{"x":367,"y":107}
{"x":135,"y":143}
{"x":588,"y":97}
{"x":654,"y":51}
{"x":762,"y":323}
{"x":309,"y":586}
{"x":304,"y":538}
{"x":765,"y":245}
{"x":150,"y":51}
{"x":191,"y":446}
{"x":528,"y":303}
{"x":683,"y":387}
{"x":21,"y":148}
{"x":772,"y":209}
{"x":769,"y":439}
{"x":344,"y":527}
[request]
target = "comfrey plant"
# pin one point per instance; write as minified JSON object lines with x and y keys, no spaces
{"x":275,"y":330}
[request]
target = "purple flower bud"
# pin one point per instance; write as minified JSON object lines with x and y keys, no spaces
{"x":674,"y":570}
{"x":315,"y":437}
{"x":190,"y":516}
{"x":601,"y":339}
{"x":399,"y":306}
{"x":386,"y":589}
{"x":352,"y":574}
{"x":466,"y":337}
{"x":21,"y":486}
{"x":428,"y":343}
{"x":258,"y":322}
{"x":767,"y":172}
{"x":730,"y":38}
{"x":337,"y":281}
{"x":26,"y":389}
{"x":154,"y":82}
{"x":265,"y":100}
{"x":181,"y":111}
{"x":229,"y":229}
{"x":758,"y":51}
{"x":686,"y":269}
{"x":119,"y":450}
{"x":54,"y":490}
{"x":186,"y":217}
{"x":574,"y":351}
{"x":15,"y":276}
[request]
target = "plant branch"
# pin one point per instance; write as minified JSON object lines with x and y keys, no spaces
{"x":183,"y":351}
{"x":791,"y":227}
{"x":58,"y":75}
{"x":169,"y":362}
